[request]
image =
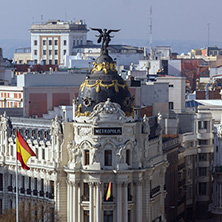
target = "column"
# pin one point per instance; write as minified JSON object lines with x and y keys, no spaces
{"x":75,"y":202}
{"x":125,"y":202}
{"x":98,"y":213}
{"x":119,"y":201}
{"x":90,"y":202}
{"x":70,"y":201}
{"x":138,"y":201}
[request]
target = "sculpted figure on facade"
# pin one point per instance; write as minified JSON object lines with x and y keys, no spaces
{"x":136,"y":154}
{"x":145,"y":126}
{"x":120,"y":153}
{"x":219,"y":131}
{"x":159,"y":118}
{"x":96,"y":154}
{"x":56,"y":127}
{"x":77,"y":154}
{"x":4,"y":122}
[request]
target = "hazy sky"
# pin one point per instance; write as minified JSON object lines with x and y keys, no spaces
{"x":172,"y":19}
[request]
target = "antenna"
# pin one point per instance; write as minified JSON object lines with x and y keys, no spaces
{"x":42,"y":19}
{"x":150,"y":31}
{"x":208,"y":30}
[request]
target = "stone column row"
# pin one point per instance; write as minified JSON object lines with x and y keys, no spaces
{"x":72,"y":201}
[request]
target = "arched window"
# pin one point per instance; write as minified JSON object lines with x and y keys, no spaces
{"x":86,"y":155}
{"x":108,"y":158}
{"x":128,"y":157}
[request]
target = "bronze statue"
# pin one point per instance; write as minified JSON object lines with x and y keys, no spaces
{"x":105,"y":37}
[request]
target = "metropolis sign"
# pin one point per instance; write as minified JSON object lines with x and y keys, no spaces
{"x":108,"y":131}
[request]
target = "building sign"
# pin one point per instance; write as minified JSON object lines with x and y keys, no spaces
{"x":108,"y":131}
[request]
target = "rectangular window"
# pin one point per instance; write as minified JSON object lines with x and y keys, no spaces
{"x":202,"y":171}
{"x":202,"y":124}
{"x":35,"y":52}
{"x":171,"y":106}
{"x":30,"y":182}
{"x":35,"y":42}
{"x":42,"y":188}
{"x":44,"y":42}
{"x":202,"y":142}
{"x":50,"y":62}
{"x":23,"y":185}
{"x":108,"y":158}
{"x":56,"y":62}
{"x":202,"y":156}
{"x":44,"y":52}
{"x":64,"y":42}
{"x":64,"y":52}
{"x":129,"y":192}
{"x":170,"y":85}
{"x":85,"y":192}
{"x":56,"y":52}
{"x":1,"y":182}
{"x":108,"y":216}
{"x":0,"y":206}
{"x":51,"y":196}
{"x":35,"y":187}
{"x":37,"y":152}
{"x":202,"y":188}
{"x":74,"y":42}
{"x":86,"y":216}
{"x":50,"y":42}
{"x":56,"y":42}
{"x":43,"y":154}
{"x":35,"y":61}
{"x":86,"y":157}
{"x":106,"y":186}
{"x":50,"y":52}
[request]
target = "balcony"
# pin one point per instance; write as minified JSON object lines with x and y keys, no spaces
{"x":35,"y":192}
{"x":28,"y":191}
{"x":130,"y":197}
{"x":41,"y":193}
{"x":109,"y":200}
{"x":51,"y":196}
{"x":85,"y":198}
{"x":10,"y":188}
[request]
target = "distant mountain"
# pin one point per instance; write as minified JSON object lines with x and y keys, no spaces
{"x":9,"y":46}
{"x":178,"y":46}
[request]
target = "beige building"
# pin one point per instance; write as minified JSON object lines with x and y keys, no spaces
{"x":22,"y":56}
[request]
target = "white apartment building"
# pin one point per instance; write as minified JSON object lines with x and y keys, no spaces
{"x":52,"y":41}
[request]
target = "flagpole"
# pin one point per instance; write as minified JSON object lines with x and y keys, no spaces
{"x":17,"y":213}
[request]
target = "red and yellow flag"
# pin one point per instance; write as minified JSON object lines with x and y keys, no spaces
{"x":24,"y":152}
{"x":108,"y":194}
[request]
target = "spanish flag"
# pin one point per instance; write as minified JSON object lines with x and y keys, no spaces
{"x":108,"y":194}
{"x":24,"y":152}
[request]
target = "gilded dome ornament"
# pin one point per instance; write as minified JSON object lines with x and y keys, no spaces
{"x":103,"y":83}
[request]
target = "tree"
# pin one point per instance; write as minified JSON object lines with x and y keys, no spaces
{"x":35,"y":211}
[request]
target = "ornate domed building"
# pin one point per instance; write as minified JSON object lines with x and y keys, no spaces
{"x":109,"y":148}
